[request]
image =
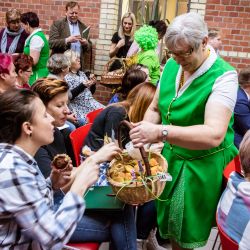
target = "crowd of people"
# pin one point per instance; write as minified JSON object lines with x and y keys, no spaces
{"x":191,"y":110}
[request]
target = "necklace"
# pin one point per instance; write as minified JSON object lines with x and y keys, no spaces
{"x":181,"y":80}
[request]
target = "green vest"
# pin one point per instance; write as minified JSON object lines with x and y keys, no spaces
{"x":150,"y":59}
{"x":40,"y":69}
{"x":190,"y":200}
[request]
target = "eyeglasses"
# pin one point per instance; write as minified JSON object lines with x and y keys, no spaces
{"x":14,"y":21}
{"x":181,"y":54}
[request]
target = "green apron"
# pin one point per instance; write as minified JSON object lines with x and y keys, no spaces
{"x":40,"y":69}
{"x":187,"y":211}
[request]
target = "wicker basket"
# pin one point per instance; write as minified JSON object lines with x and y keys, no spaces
{"x":115,"y":76}
{"x":139,"y":192}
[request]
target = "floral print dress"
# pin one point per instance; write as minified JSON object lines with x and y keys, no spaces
{"x":84,"y":103}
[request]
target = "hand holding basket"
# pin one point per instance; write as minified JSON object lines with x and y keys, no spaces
{"x":143,"y":187}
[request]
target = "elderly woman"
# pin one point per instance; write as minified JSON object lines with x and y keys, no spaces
{"x":36,"y":45}
{"x":13,"y":36}
{"x":192,"y":113}
{"x":27,"y":219}
{"x":83,"y":103}
{"x":58,"y":66}
{"x":23,"y":66}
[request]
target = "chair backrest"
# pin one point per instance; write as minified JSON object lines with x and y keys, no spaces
{"x":77,"y":138}
{"x":233,"y":165}
{"x":92,"y":115}
{"x":226,"y":242}
{"x":84,"y":245}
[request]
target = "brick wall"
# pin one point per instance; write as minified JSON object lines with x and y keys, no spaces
{"x":233,"y":18}
{"x":50,"y":10}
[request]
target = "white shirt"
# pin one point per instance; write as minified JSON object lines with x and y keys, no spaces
{"x":225,"y":87}
{"x":36,"y":42}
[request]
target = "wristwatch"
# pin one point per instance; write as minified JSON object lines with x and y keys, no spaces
{"x":164,"y":133}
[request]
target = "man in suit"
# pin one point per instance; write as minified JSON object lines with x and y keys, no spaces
{"x":66,"y":33}
{"x":242,"y":107}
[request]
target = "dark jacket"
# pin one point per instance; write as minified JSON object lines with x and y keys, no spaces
{"x":241,"y":116}
{"x":58,"y":32}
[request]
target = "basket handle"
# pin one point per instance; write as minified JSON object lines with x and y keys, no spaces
{"x":127,"y":124}
{"x":113,"y":59}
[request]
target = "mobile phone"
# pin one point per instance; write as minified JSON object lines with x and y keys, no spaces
{"x":85,"y":33}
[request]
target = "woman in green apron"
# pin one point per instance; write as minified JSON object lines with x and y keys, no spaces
{"x":192,"y":114}
{"x":36,"y":46}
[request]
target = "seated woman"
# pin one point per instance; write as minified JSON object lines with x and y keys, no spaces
{"x":23,"y":66}
{"x":58,"y":66}
{"x":132,"y":109}
{"x":104,"y":226}
{"x":234,"y":203}
{"x":7,"y":73}
{"x":83,"y":103}
{"x":242,"y":107}
{"x":27,"y":219}
{"x":36,"y":45}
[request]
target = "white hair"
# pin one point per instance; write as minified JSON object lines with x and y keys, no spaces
{"x":189,"y":28}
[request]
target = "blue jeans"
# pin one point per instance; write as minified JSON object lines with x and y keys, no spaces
{"x":118,"y":227}
{"x":146,"y":219}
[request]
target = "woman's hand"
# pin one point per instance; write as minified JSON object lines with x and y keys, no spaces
{"x":144,"y":132}
{"x":72,"y":117}
{"x":106,"y":153}
{"x":87,"y":175}
{"x":88,"y":83}
{"x":60,"y":177}
{"x":92,"y":77}
{"x":121,"y":43}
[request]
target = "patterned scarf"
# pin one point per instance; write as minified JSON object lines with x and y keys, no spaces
{"x":14,"y":43}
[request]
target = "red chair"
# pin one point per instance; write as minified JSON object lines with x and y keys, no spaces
{"x":92,"y":115}
{"x":233,"y":165}
{"x":85,"y":246}
{"x":226,"y":242}
{"x":77,"y":138}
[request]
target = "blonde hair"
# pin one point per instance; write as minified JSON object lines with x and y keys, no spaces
{"x":71,"y":55}
{"x":12,"y":14}
{"x":138,"y":101}
{"x":132,"y":32}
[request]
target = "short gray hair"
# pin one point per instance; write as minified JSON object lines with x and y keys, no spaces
{"x":189,"y":27}
{"x":57,"y":63}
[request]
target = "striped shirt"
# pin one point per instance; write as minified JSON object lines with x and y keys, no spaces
{"x":234,"y":210}
{"x":27,"y":220}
